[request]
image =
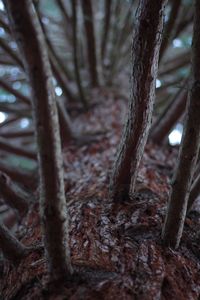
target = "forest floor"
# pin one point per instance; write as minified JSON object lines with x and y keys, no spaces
{"x":119,"y":243}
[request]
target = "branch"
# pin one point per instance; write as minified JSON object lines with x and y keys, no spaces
{"x":16,"y":150}
{"x":12,"y":249}
{"x":14,"y":195}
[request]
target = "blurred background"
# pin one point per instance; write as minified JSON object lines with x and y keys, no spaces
{"x":89,"y":44}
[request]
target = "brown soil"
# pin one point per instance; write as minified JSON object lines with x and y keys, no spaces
{"x":116,"y":247}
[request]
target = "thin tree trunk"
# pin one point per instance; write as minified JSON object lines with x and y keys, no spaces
{"x":106,"y":27}
{"x":188,"y":153}
{"x":75,"y":55}
{"x":146,"y":45}
{"x":12,"y":249}
{"x":90,"y":38}
{"x":52,"y":199}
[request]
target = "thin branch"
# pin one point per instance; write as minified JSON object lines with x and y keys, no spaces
{"x":8,"y":50}
{"x":14,"y":195}
{"x":12,"y":249}
{"x":6,"y":86}
{"x":16,"y":150}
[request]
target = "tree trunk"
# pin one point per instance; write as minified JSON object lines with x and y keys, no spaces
{"x":90,"y":38}
{"x":75,"y":55}
{"x":188,"y":153}
{"x":107,"y":5}
{"x":146,"y":45}
{"x":52,"y":199}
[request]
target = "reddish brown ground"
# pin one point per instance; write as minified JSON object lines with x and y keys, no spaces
{"x":120,"y":243}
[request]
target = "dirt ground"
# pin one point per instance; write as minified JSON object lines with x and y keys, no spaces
{"x":116,"y":246}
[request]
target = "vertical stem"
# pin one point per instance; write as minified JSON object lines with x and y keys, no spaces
{"x":75,"y":54}
{"x":188,"y":153}
{"x":54,"y":215}
{"x":146,"y":45}
{"x":107,"y":5}
{"x":90,"y":38}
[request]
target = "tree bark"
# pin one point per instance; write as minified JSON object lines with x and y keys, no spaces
{"x":188,"y":154}
{"x":146,"y":45}
{"x":90,"y":38}
{"x":52,"y":198}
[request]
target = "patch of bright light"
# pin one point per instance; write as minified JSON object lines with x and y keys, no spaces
{"x":15,"y":71}
{"x":1,"y":5}
{"x":158,"y":83}
{"x":58,"y":91}
{"x":189,"y":40}
{"x":2,"y":71}
{"x":177,"y":43}
{"x":24,"y":123}
{"x":13,"y":45}
{"x":176,"y":135}
{"x":2,"y":31}
{"x":2,"y":117}
{"x":17,"y":85}
{"x":45,"y":20}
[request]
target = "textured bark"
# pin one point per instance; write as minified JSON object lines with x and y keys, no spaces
{"x":12,"y":249}
{"x":107,"y":5}
{"x":13,"y":195}
{"x":90,"y":38}
{"x":75,"y":55}
{"x":188,"y":154}
{"x":52,"y":198}
{"x":146,"y":45}
{"x":169,"y":118}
